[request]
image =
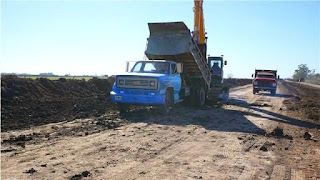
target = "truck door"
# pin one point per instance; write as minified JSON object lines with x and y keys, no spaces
{"x":176,"y":81}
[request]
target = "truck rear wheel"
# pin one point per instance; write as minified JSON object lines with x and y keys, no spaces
{"x":200,"y":98}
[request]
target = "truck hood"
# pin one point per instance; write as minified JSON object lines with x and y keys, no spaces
{"x":265,"y":79}
{"x":156,"y":75}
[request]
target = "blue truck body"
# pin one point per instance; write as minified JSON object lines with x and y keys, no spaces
{"x":140,"y":92}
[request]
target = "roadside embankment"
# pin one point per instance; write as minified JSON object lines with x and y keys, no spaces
{"x":32,"y":102}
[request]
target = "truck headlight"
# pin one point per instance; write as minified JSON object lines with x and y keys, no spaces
{"x":255,"y":83}
{"x":274,"y":84}
{"x":152,"y":83}
{"x":121,"y":81}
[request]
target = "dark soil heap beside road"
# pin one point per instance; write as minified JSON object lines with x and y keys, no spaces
{"x":306,"y":100}
{"x":28,"y":102}
{"x":233,"y":82}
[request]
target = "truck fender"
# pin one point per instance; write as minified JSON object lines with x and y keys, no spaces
{"x":164,"y":86}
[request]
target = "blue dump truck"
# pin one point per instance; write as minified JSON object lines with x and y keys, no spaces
{"x":176,"y":70}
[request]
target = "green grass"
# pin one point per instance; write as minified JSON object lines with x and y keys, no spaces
{"x":67,"y":77}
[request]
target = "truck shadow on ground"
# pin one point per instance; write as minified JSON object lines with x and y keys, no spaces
{"x":260,"y":112}
{"x":216,"y":118}
{"x":276,"y":95}
{"x":210,"y":118}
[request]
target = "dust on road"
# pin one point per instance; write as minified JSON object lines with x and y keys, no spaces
{"x":249,"y":137}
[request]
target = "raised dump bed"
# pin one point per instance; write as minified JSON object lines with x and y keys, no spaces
{"x":173,"y":41}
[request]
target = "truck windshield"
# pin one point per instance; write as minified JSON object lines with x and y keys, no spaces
{"x":215,"y":63}
{"x":151,"y":67}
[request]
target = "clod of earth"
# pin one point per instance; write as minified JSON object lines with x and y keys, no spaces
{"x":266,"y":145}
{"x":309,"y":136}
{"x":278,"y":132}
{"x":76,"y":177}
{"x":198,"y":177}
{"x":260,"y":105}
{"x":7,"y":150}
{"x":263,"y":148}
{"x":30,"y":171}
{"x":85,"y":173}
{"x":79,"y":176}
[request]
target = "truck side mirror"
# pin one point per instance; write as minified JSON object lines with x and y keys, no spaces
{"x":251,"y":75}
{"x":225,"y":62}
{"x":127,"y":66}
{"x":179,"y":68}
{"x":278,"y":76}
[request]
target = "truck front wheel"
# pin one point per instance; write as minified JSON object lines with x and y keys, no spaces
{"x":168,"y":103}
{"x":122,"y":108}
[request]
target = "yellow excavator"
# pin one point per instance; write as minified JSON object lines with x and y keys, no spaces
{"x":215,"y":63}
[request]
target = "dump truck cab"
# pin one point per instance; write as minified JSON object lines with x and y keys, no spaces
{"x":265,"y":80}
{"x":148,"y":83}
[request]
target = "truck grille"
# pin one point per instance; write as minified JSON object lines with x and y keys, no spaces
{"x":137,"y":82}
{"x":264,"y":84}
{"x":133,"y":82}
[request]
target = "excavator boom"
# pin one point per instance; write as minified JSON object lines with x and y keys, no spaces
{"x":199,"y":32}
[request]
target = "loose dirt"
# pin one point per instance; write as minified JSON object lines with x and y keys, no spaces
{"x":27,"y":102}
{"x":305,"y":100}
{"x":247,"y":137}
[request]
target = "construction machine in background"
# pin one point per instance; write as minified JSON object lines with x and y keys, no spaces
{"x":218,"y":90}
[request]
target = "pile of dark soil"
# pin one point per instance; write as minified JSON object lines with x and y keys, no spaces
{"x":306,"y":100}
{"x":233,"y":82}
{"x":28,"y":102}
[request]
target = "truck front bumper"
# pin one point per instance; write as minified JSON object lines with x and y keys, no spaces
{"x":137,"y":96}
{"x":264,"y":88}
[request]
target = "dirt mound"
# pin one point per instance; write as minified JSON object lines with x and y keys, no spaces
{"x":28,"y":102}
{"x":306,"y":100}
{"x":233,"y":82}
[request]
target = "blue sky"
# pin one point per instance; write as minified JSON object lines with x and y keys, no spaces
{"x":99,"y":37}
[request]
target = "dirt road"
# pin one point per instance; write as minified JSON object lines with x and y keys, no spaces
{"x":248,"y":137}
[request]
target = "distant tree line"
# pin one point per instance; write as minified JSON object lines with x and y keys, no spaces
{"x":303,"y":73}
